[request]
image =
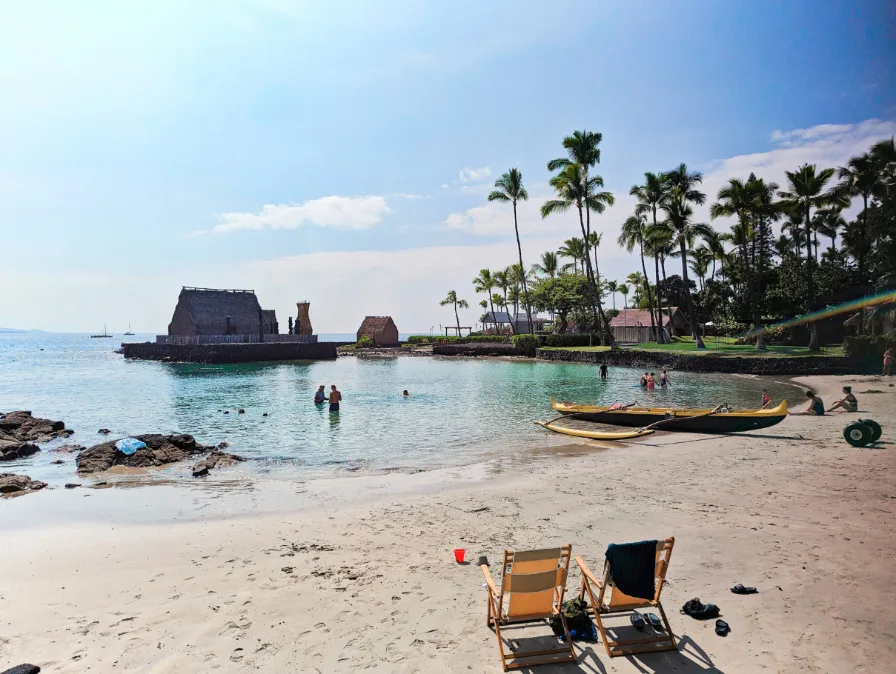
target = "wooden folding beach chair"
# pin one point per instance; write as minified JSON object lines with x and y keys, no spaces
{"x":606,"y":599}
{"x":533,"y":582}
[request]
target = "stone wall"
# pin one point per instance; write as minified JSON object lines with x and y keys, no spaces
{"x":476,"y":349}
{"x":229,"y":353}
{"x":773,"y":365}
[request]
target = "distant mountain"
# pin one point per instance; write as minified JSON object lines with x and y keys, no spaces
{"x":7,"y":330}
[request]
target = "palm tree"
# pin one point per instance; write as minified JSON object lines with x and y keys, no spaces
{"x":679,"y":214}
{"x":574,"y":249}
{"x":484,"y":305}
{"x":452,"y":299}
{"x":649,"y":195}
{"x":623,"y":290}
{"x":582,"y":149}
{"x":713,"y":241}
{"x":485,"y":283}
{"x":636,"y":281}
{"x":613,"y":288}
{"x":500,"y":301}
{"x":858,"y":179}
{"x":502,"y":281}
{"x":807,"y":191}
{"x":509,"y":187}
{"x":700,"y":260}
{"x":884,"y":154}
{"x":829,"y":223}
{"x":633,"y":233}
{"x":549,"y":265}
{"x":574,"y":189}
{"x":660,"y":245}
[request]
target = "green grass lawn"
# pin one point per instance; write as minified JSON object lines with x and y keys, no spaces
{"x":721,"y":346}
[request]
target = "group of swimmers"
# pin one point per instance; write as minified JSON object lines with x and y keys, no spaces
{"x":320,"y":397}
{"x":848,"y":403}
{"x":648,"y":380}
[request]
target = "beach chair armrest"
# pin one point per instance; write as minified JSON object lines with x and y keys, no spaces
{"x":488,"y":579}
{"x":586,"y":573}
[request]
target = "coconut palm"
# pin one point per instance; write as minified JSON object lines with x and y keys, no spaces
{"x":649,"y":195}
{"x":700,"y":260}
{"x":594,"y":240}
{"x":612,"y":288}
{"x":806,"y":190}
{"x":679,"y":221}
{"x":485,"y":283}
{"x":859,"y":178}
{"x":623,"y":290}
{"x":453,"y":299}
{"x":884,"y":155}
{"x":713,"y":241}
{"x":549,"y":265}
{"x":633,"y":233}
{"x":509,"y":188}
{"x":502,"y":281}
{"x":660,"y":245}
{"x":574,"y":249}
{"x":500,"y":301}
{"x":828,"y":222}
{"x":582,"y":149}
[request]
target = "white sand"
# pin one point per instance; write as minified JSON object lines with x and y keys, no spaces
{"x":793,"y":510}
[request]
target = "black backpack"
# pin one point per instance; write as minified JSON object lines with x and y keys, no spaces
{"x":577,"y":620}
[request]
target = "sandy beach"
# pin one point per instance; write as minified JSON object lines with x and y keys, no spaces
{"x":358,"y":573}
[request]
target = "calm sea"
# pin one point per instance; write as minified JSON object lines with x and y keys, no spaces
{"x":459,"y":411}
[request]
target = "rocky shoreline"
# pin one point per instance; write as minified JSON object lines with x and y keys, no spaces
{"x":21,"y":431}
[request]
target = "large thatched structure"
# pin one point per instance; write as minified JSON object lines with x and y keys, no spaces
{"x":205,"y":311}
{"x":381,"y":329}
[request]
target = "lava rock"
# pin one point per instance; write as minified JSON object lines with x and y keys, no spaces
{"x":72,"y":485}
{"x":104,"y":431}
{"x":215,"y":460}
{"x":160,"y":449}
{"x":16,"y":485}
{"x":21,"y":426}
{"x":23,"y":669}
{"x":13,"y":449}
{"x":68,"y":449}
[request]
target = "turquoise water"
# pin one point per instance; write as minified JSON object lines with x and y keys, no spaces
{"x":459,"y":411}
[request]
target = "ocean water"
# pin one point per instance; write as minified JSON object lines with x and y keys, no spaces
{"x":459,"y":411}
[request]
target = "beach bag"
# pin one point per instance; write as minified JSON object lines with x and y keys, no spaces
{"x":577,"y":621}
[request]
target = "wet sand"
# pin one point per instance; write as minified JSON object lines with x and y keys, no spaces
{"x":350,"y":574}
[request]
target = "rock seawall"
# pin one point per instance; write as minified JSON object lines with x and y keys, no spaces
{"x":229,"y":353}
{"x":773,"y":365}
{"x":476,"y":349}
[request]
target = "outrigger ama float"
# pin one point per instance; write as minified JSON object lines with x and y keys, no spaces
{"x":645,"y":419}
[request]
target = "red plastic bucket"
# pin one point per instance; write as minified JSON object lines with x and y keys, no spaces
{"x":459,"y":555}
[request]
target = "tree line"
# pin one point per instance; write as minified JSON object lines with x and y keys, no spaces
{"x":747,"y":275}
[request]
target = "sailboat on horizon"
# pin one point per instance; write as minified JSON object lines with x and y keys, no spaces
{"x":129,"y":330}
{"x":102,"y":336}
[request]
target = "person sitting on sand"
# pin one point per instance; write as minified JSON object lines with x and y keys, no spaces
{"x":815,"y":409}
{"x":335,"y":397}
{"x":888,"y":362}
{"x":405,"y":394}
{"x":651,"y":382}
{"x":849,"y":402}
{"x":664,"y":380}
{"x":766,"y":399}
{"x":319,"y":395}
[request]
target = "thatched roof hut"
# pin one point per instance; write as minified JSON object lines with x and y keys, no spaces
{"x":269,"y":319}
{"x":381,"y":329}
{"x":206,"y":311}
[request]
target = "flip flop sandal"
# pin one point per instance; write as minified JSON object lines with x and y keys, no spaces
{"x":722,"y":628}
{"x":638,"y":621}
{"x":654,"y":621}
{"x":740,"y":589}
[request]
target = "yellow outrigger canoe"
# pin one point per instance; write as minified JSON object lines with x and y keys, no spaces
{"x":716,"y":420}
{"x":593,"y":435}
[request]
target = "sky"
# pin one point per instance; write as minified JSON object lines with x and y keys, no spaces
{"x":342,"y":153}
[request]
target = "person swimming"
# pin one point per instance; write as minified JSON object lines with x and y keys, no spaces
{"x":849,"y":403}
{"x":405,"y":394}
{"x":766,"y":399}
{"x":815,"y":409}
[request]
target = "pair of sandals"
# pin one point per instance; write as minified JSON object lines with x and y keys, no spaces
{"x":641,"y":620}
{"x":700,"y":611}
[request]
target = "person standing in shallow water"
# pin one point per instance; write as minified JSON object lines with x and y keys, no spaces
{"x":664,"y":380}
{"x":320,"y":396}
{"x":335,"y":397}
{"x":651,"y":382}
{"x":603,"y":370}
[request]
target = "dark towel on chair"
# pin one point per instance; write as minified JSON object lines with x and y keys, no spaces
{"x":632,"y":568}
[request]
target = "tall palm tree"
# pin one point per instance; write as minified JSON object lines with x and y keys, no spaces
{"x":582,"y":149}
{"x":623,"y":290}
{"x":485,"y":283}
{"x":453,"y":299}
{"x":713,"y":241}
{"x":594,"y":240}
{"x":613,"y":288}
{"x":679,"y":221}
{"x":632,"y":234}
{"x":650,"y":195}
{"x":884,"y":155}
{"x":574,"y":249}
{"x":509,"y":188}
{"x":806,"y":190}
{"x":636,"y":281}
{"x":549,"y":265}
{"x":858,"y":179}
{"x":484,"y":305}
{"x":828,"y":223}
{"x":502,"y":281}
{"x":574,"y":190}
{"x":700,"y":260}
{"x":500,"y":301}
{"x":660,"y":245}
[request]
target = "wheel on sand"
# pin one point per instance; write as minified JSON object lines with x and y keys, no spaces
{"x":875,"y":428}
{"x":858,"y":435}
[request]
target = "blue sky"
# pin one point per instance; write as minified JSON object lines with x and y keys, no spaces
{"x":353,"y":144}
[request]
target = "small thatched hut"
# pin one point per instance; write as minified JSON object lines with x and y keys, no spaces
{"x":269,"y":318}
{"x":205,"y":311}
{"x":381,"y":329}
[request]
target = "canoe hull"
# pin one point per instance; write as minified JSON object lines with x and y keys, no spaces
{"x":592,"y":435}
{"x":687,"y":421}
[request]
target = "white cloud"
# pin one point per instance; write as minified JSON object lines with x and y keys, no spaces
{"x":469,"y":175}
{"x":335,"y":211}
